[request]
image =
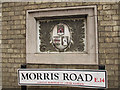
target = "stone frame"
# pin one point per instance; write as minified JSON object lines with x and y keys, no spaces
{"x":91,"y":57}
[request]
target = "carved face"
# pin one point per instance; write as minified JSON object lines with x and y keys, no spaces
{"x":61,"y":37}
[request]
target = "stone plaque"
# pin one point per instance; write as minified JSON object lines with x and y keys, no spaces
{"x":62,"y":35}
{"x":66,"y":34}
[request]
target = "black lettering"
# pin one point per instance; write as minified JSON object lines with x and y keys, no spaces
{"x":46,"y":76}
{"x":51,"y":76}
{"x":39,"y":76}
{"x":24,"y":76}
{"x":80,"y":78}
{"x":65,"y":76}
{"x":90,"y":76}
{"x":73,"y":76}
{"x":56,"y":76}
{"x":32,"y":76}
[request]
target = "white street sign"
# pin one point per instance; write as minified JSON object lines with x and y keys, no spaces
{"x":63,"y":77}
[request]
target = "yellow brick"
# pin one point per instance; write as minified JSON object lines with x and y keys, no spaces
{"x":10,"y":50}
{"x":106,"y":7}
{"x":110,"y":72}
{"x":116,"y":28}
{"x":17,"y":32}
{"x":108,"y":12}
{"x":109,"y":45}
{"x":6,"y":18}
{"x":17,"y":3}
{"x":31,"y":3}
{"x":115,"y":17}
{"x":23,"y":21}
{"x":11,"y":13}
{"x":116,"y":61}
{"x":102,"y":62}
{"x":100,"y":7}
{"x":100,"y":17}
{"x":6,"y":9}
{"x":108,"y":23}
{"x":11,"y":60}
{"x":115,"y":6}
{"x":5,"y":4}
{"x":101,"y":40}
{"x":11,"y":4}
{"x":17,"y":51}
{"x":110,"y":62}
{"x":17,"y":22}
{"x":23,"y":31}
{"x":107,"y":17}
{"x":27,"y":7}
{"x":17,"y":17}
{"x":108,"y":39}
{"x":116,"y":39}
{"x":108,"y":28}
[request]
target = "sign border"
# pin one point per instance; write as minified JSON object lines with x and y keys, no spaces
{"x":85,"y":70}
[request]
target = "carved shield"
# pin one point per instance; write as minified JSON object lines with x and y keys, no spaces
{"x":61,"y":37}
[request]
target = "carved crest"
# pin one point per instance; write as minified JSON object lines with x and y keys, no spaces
{"x":61,"y":37}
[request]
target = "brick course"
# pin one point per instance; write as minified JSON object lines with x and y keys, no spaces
{"x":14,"y":36}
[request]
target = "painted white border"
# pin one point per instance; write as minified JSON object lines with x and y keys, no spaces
{"x":96,"y":73}
{"x":91,"y":57}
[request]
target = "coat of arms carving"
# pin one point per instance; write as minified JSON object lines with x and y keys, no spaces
{"x":62,"y":35}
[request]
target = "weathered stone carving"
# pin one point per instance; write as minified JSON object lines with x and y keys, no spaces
{"x":76,"y":39}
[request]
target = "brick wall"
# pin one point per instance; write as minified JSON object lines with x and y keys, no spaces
{"x":119,"y":46}
{"x":14,"y":36}
{"x":0,"y":46}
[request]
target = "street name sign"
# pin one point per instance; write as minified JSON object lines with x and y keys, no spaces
{"x":63,"y":77}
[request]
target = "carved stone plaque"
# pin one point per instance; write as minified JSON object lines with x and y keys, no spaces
{"x":62,"y":35}
{"x":65,"y":34}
